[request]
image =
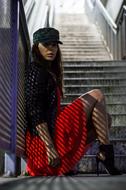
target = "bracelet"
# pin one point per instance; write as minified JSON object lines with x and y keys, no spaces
{"x":50,"y":146}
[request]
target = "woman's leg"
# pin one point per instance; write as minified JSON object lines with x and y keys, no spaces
{"x":95,"y":108}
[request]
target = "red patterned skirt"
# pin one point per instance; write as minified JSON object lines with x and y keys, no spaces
{"x":70,"y":142}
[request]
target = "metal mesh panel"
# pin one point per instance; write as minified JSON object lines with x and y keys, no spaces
{"x":5,"y":75}
{"x":20,"y":101}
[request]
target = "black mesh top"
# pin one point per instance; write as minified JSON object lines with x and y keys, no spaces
{"x":41,"y":97}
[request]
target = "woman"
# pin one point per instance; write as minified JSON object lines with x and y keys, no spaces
{"x":57,"y":139}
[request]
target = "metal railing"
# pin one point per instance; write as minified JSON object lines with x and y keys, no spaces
{"x":114,"y":33}
{"x":39,"y":13}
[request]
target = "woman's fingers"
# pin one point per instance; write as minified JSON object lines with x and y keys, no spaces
{"x":56,"y":162}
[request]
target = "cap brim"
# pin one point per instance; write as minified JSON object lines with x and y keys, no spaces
{"x":50,"y":40}
{"x":60,"y":42}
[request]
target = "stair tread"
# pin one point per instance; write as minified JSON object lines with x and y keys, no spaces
{"x":113,"y":103}
{"x":101,"y":72}
{"x":95,"y":85}
{"x":95,"y":66}
{"x":100,"y":62}
{"x":94,"y":155}
{"x":95,"y":78}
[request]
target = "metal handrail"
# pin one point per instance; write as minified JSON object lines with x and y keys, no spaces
{"x":120,"y":17}
{"x":124,"y":7}
{"x":24,"y":24}
{"x":106,"y":15}
{"x":108,"y":18}
{"x":28,"y":8}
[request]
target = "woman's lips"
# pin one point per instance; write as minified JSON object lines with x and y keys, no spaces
{"x":50,"y":54}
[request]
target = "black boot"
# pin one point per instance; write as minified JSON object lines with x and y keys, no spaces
{"x":106,"y":157}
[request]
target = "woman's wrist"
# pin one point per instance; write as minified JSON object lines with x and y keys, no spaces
{"x":50,"y":146}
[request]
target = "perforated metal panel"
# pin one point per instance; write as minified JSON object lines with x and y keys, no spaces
{"x":9,"y":66}
{"x":23,"y":57}
{"x":20,"y":101}
{"x":5,"y":75}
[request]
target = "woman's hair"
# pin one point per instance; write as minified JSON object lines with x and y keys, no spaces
{"x":56,"y":65}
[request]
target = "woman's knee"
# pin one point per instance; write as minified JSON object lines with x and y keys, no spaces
{"x":97,"y":94}
{"x":93,"y":96}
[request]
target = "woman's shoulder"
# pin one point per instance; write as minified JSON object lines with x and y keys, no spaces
{"x":34,"y":67}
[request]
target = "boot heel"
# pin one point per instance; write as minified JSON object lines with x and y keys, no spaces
{"x":106,"y":157}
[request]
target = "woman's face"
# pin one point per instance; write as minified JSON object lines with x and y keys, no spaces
{"x":48,"y":50}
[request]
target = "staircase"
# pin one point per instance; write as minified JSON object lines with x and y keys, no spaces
{"x":88,"y":65}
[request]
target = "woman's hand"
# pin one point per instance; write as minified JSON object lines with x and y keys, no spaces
{"x":53,"y":157}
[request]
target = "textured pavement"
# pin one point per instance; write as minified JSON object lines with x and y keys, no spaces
{"x":79,"y":182}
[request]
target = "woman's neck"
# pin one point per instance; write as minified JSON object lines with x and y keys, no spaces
{"x":44,"y":63}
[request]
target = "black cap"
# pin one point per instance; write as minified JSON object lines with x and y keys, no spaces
{"x":47,"y":34}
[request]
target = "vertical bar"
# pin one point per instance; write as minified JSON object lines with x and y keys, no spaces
{"x":124,"y":36}
{"x":10,"y":158}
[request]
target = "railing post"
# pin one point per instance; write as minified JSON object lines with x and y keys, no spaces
{"x":124,"y":33}
{"x":51,"y":13}
{"x":10,"y":157}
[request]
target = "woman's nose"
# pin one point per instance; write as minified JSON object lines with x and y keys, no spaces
{"x":52,"y":46}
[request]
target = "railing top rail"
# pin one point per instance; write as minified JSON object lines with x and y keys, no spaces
{"x":24,"y":23}
{"x":124,"y":7}
{"x":109,"y":19}
{"x":120,"y":17}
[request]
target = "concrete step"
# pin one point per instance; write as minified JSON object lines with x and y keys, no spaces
{"x":88,"y":161}
{"x":115,"y":103}
{"x":119,"y":118}
{"x":92,"y":44}
{"x":84,"y":88}
{"x":119,"y":145}
{"x":78,"y":34}
{"x":84,"y":35}
{"x":82,"y":43}
{"x":95,"y":81}
{"x":94,"y":74}
{"x":88,"y":68}
{"x":88,"y":58}
{"x":117,"y":108}
{"x":118,"y":132}
{"x":88,"y":164}
{"x":113,"y":98}
{"x":74,"y":95}
{"x":81,"y":39}
{"x":83,"y":50}
{"x":95,"y":64}
{"x":78,"y":28}
{"x":78,"y":55}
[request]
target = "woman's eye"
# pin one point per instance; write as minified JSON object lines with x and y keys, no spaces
{"x":54,"y":44}
{"x":45,"y":44}
{"x":50,"y":44}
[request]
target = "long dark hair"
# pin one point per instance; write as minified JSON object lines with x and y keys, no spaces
{"x":56,"y":65}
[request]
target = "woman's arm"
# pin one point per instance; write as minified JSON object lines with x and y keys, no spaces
{"x":36,"y":106}
{"x":53,"y":157}
{"x":44,"y":134}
